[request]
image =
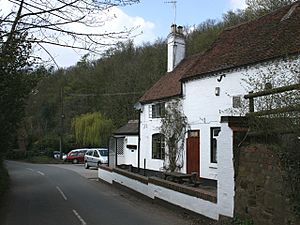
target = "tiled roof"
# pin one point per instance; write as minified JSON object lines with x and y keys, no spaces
{"x":169,"y":85}
{"x":271,"y":36}
{"x":131,"y":128}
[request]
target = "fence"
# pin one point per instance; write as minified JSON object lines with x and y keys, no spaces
{"x":291,"y":108}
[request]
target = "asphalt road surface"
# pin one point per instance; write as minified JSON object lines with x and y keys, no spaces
{"x":70,"y":195}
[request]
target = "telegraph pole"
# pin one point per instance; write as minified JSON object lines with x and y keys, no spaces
{"x":62,"y":117}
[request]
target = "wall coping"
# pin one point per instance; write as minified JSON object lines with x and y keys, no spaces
{"x":205,"y":195}
{"x":107,"y":168}
{"x":131,"y":175}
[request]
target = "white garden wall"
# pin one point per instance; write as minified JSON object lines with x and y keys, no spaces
{"x":195,"y":204}
{"x":223,"y":204}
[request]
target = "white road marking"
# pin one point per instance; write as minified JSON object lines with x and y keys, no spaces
{"x":39,"y":172}
{"x":62,"y":193}
{"x":79,"y":217}
{"x":30,"y":169}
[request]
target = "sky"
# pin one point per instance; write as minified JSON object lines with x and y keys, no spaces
{"x":153,"y":18}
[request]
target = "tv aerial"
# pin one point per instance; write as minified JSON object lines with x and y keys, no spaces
{"x":174,"y":8}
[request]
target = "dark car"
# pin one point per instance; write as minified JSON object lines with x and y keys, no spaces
{"x":76,"y":156}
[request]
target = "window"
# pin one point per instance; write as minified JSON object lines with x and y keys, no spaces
{"x":74,"y":154}
{"x":236,"y":102}
{"x":193,"y":133}
{"x":158,"y":146}
{"x":96,"y":154}
{"x":157,"y":110}
{"x":103,"y":152}
{"x":214,"y":133}
{"x":90,"y":152}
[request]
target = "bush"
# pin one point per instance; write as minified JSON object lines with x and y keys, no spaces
{"x":4,"y":179}
{"x":16,"y":154}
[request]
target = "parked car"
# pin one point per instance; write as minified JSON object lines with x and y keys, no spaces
{"x":76,"y":156}
{"x":95,"y":157}
{"x":56,"y":155}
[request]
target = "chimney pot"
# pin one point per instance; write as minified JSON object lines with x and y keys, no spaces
{"x":180,"y":30}
{"x":173,"y":28}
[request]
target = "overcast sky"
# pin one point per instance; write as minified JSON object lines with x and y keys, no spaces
{"x":154,"y":18}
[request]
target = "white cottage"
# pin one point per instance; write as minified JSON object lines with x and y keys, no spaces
{"x":210,"y":83}
{"x":210,"y":87}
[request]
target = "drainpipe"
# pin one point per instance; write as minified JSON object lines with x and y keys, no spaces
{"x":138,"y":106}
{"x":139,"y":140}
{"x":116,"y":152}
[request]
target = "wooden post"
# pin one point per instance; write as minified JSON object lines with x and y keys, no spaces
{"x":251,"y":103}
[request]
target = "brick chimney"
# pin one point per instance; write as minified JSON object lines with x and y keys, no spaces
{"x":176,"y":47}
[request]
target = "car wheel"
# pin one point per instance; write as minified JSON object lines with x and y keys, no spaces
{"x":75,"y":161}
{"x":86,"y":165}
{"x":98,"y":164}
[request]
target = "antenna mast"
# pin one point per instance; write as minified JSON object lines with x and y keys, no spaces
{"x":174,"y":7}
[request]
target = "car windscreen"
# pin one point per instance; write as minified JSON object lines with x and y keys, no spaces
{"x":73,"y":153}
{"x":103,"y":152}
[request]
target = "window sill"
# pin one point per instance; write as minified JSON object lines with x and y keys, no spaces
{"x":213,"y":166}
{"x":158,"y":159}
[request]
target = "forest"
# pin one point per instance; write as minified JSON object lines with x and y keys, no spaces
{"x":82,"y":105}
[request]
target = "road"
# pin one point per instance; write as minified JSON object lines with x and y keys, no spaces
{"x":69,"y":195}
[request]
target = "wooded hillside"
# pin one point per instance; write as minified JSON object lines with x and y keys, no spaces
{"x":110,"y":85}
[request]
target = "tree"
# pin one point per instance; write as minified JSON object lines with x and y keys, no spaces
{"x":15,"y":84}
{"x":279,"y":73}
{"x":33,"y":23}
{"x":92,"y":129}
{"x":50,"y":22}
{"x":261,"y":7}
{"x":173,"y":126}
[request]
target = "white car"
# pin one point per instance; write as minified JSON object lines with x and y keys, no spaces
{"x":95,"y":157}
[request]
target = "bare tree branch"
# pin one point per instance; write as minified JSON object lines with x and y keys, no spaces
{"x":50,"y":22}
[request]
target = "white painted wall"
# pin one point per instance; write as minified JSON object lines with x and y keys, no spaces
{"x":131,"y":156}
{"x":204,"y":110}
{"x":149,"y":126}
{"x":194,"y":204}
{"x":226,"y":183}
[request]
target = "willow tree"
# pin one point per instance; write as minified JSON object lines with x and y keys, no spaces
{"x":173,"y":126}
{"x":92,"y":129}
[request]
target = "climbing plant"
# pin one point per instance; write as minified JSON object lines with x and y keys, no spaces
{"x":173,"y":126}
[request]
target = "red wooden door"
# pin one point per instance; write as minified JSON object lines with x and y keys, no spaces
{"x":193,"y":152}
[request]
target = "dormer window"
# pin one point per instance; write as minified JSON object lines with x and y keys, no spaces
{"x":157,"y":110}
